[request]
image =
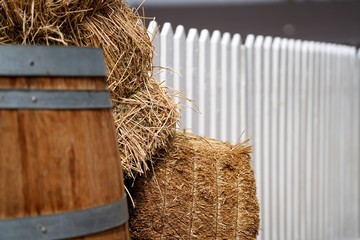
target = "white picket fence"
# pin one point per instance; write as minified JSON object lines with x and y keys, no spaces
{"x":298,"y":101}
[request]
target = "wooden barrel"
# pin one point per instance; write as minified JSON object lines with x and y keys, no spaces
{"x":60,"y":170}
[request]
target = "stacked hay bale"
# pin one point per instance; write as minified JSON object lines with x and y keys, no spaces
{"x":200,"y":189}
{"x":144,"y":114}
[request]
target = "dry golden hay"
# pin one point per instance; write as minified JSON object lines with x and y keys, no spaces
{"x":199,"y":189}
{"x":116,"y":28}
{"x":150,"y":108}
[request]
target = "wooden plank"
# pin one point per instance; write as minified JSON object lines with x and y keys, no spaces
{"x":243,"y":95}
{"x":224,"y":84}
{"x":303,"y":119}
{"x":327,"y":156}
{"x":236,"y":69}
{"x":309,"y":142}
{"x":166,"y":55}
{"x":179,"y":69}
{"x":349,"y":71}
{"x":275,"y":60}
{"x":204,"y":80}
{"x":322,"y":140}
{"x":282,"y":137}
{"x":214,"y":76}
{"x":258,"y":119}
{"x":289,"y":153}
{"x":192,"y":83}
{"x":315,"y":136}
{"x":356,"y":141}
{"x":266,"y":139}
{"x":335,"y":179}
{"x":297,"y":151}
{"x":249,"y":70}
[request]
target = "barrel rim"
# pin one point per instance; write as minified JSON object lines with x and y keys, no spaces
{"x":56,"y":61}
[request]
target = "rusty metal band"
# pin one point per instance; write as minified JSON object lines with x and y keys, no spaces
{"x":54,"y":99}
{"x":68,"y":224}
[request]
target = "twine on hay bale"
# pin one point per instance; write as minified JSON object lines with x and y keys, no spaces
{"x":142,"y":109}
{"x":201,"y":189}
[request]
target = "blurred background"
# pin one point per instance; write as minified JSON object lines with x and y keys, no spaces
{"x":318,"y":20}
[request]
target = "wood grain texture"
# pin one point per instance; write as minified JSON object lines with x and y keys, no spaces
{"x":53,"y":161}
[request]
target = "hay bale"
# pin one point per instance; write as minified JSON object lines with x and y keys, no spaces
{"x":145,"y":117}
{"x":201,"y":188}
{"x":119,"y":31}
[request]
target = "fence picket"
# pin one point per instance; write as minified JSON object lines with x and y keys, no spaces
{"x":249,"y":76}
{"x":275,"y":59}
{"x":214,"y":77}
{"x":153,"y":30}
{"x":204,"y":63}
{"x":192,"y":84}
{"x":327,"y":129}
{"x":316,"y":143}
{"x":266,"y":126}
{"x":290,"y":139}
{"x":235,"y":70}
{"x":303,"y":118}
{"x":321,"y":173}
{"x":297,"y":141}
{"x":223,"y":84}
{"x":166,"y":55}
{"x":257,"y":118}
{"x":282,"y":121}
{"x":179,"y":68}
{"x":298,"y":101}
{"x":356,"y":141}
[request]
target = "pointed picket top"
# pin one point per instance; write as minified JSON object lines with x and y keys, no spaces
{"x":180,"y":33}
{"x":284,"y":43}
{"x":192,"y":35}
{"x":204,"y":35}
{"x":249,"y":41}
{"x":276,"y":43}
{"x":311,"y":45}
{"x":166,"y":30}
{"x":267,"y":42}
{"x":225,"y":40}
{"x":291,"y":43}
{"x":259,"y":40}
{"x":152,"y":29}
{"x":297,"y":45}
{"x":236,"y":40}
{"x":215,"y":37}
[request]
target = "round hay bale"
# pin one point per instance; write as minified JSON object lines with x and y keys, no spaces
{"x":116,"y":28}
{"x":200,"y":188}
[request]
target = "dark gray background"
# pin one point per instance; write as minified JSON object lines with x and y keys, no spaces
{"x":330,"y":21}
